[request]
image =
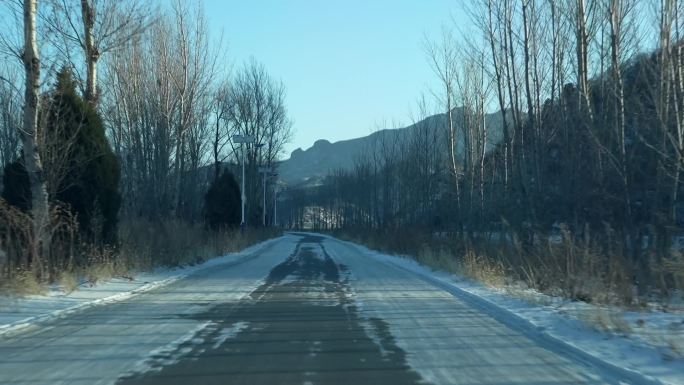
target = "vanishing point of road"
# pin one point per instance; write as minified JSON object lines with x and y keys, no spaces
{"x":305,"y":309}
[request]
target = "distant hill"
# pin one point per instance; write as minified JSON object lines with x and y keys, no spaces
{"x":308,"y":167}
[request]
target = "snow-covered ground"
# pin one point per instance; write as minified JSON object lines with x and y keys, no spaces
{"x":17,"y":313}
{"x":648,"y":344}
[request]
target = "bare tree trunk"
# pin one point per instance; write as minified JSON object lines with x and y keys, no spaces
{"x":518,"y":139}
{"x":442,"y":58}
{"x":616,"y":20}
{"x":500,"y":92}
{"x":678,"y":83}
{"x":664,"y":86}
{"x":582,"y":57}
{"x":91,"y":53}
{"x":528,"y":70}
{"x":677,"y":78}
{"x":452,"y":151}
{"x":217,"y":140}
{"x":554,"y":49}
{"x":29,"y":136}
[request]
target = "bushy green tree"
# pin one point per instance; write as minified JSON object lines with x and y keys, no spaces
{"x":222,"y":203}
{"x":91,"y":173}
{"x":85,"y":175}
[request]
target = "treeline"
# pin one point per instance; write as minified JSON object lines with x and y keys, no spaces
{"x":116,"y":118}
{"x":589,"y":149}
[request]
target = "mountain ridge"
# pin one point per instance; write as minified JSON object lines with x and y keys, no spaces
{"x":309,"y":166}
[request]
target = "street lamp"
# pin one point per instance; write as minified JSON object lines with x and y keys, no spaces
{"x":243,"y":140}
{"x":265,"y":171}
{"x":275,"y":201}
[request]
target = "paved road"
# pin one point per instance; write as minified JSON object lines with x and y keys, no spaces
{"x":307,"y":310}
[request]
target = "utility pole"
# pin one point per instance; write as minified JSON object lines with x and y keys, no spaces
{"x":275,"y":201}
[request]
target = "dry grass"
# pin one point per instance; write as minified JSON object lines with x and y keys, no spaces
{"x":143,"y":245}
{"x":439,"y":258}
{"x":590,"y":269}
{"x":483,"y":269}
{"x":68,"y":281}
{"x":22,"y":283}
{"x":43,"y":253}
{"x":606,"y":319}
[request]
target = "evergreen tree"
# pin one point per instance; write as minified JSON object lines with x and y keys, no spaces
{"x":89,"y":170}
{"x":16,"y":186}
{"x":222,"y":203}
{"x":91,"y":173}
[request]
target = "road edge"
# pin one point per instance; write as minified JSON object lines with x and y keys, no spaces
{"x":29,"y":323}
{"x":515,"y":321}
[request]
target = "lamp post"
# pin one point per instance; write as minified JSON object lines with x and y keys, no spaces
{"x":275,"y":201}
{"x":265,"y":171}
{"x":243,"y":140}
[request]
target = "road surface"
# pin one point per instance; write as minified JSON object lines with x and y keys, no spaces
{"x":306,"y":310}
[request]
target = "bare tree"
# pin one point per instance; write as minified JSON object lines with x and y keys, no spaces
{"x":582,"y":39}
{"x":221,"y":132}
{"x":474,"y":88}
{"x":159,"y":102}
{"x":105,"y":26}
{"x":194,"y":67}
{"x":29,"y":133}
{"x":493,"y":34}
{"x":442,"y":57}
{"x":618,"y":11}
{"x":256,"y":107}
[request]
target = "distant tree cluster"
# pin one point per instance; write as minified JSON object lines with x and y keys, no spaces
{"x":172,"y":110}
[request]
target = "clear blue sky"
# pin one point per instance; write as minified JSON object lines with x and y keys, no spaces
{"x":347,"y":64}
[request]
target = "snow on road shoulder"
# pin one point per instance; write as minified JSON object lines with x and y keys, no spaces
{"x":649,"y":345}
{"x":17,"y":314}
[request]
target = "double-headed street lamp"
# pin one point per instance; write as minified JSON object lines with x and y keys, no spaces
{"x":265,"y":171}
{"x":243,"y":140}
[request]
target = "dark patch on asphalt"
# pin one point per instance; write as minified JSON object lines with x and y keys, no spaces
{"x":299,"y":327}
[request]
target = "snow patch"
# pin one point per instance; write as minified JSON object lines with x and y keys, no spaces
{"x":168,"y":354}
{"x":227,"y":333}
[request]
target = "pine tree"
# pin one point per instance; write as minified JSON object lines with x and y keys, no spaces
{"x":92,"y":173}
{"x":222,"y":203}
